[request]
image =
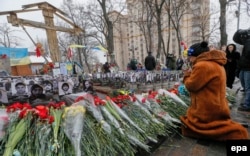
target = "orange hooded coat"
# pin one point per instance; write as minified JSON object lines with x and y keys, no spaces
{"x":208,"y":116}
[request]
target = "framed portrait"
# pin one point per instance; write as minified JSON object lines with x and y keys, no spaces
{"x":1,"y":85}
{"x":55,"y":85}
{"x":133,"y":78}
{"x":47,"y":86}
{"x":76,"y":82}
{"x":3,"y":96}
{"x":64,"y":88}
{"x":19,"y":89}
{"x":149,"y":77}
{"x":30,"y":83}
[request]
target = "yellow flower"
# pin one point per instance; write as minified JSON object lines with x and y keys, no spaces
{"x":73,"y":110}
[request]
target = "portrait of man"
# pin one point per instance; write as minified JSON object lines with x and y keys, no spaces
{"x":3,"y":96}
{"x":36,"y":94}
{"x":19,"y":89}
{"x":5,"y":87}
{"x":48,"y":86}
{"x":30,"y":83}
{"x":55,"y":85}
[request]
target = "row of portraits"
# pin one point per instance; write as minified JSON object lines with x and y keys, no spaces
{"x":142,"y":76}
{"x":11,"y":87}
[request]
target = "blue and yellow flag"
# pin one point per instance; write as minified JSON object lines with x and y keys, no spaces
{"x":14,"y":53}
{"x":101,"y":48}
{"x":18,"y":56}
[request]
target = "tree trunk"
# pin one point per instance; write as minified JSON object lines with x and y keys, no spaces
{"x":223,"y":32}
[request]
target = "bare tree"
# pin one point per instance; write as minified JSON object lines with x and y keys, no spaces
{"x":223,"y":32}
{"x":204,"y":26}
{"x":79,"y":14}
{"x":102,"y":23}
{"x":156,"y":7}
{"x":247,"y":6}
{"x":176,"y":10}
{"x":145,"y":22}
{"x":7,"y":37}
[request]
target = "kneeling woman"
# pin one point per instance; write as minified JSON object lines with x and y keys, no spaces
{"x":208,"y":116}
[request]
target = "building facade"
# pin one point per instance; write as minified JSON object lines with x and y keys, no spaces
{"x":136,"y":33}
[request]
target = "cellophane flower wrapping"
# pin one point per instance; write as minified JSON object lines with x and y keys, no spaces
{"x":174,"y":109}
{"x":134,"y":133}
{"x":4,"y":119}
{"x":73,"y":125}
{"x":95,"y":111}
{"x":16,"y":130}
{"x":144,"y":121}
{"x":95,"y":139}
{"x":156,"y":109}
{"x":172,"y":95}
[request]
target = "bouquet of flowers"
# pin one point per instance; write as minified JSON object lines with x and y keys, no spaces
{"x":137,"y":114}
{"x":30,"y":128}
{"x":99,"y":140}
{"x":4,"y":119}
{"x":73,"y":130}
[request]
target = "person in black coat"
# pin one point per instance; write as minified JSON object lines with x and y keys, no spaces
{"x":179,"y":63}
{"x":106,"y":68}
{"x":242,"y":37}
{"x":36,"y":94}
{"x":232,"y":59}
{"x":150,"y":62}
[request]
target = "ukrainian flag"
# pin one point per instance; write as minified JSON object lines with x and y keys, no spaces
{"x":101,"y":48}
{"x":17,"y":56}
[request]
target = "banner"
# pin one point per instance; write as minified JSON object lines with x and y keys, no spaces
{"x":14,"y":53}
{"x":76,"y":46}
{"x":20,"y":61}
{"x":101,"y":48}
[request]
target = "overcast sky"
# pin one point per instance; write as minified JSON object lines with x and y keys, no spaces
{"x":7,"y":5}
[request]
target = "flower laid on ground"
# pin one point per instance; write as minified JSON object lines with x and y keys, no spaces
{"x":4,"y":119}
{"x":30,"y":126}
{"x":89,"y":125}
{"x":15,"y":135}
{"x":56,"y":110}
{"x":137,"y":114}
{"x":231,"y":96}
{"x":73,"y":130}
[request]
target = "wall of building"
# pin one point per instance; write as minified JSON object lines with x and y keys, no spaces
{"x":129,"y":41}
